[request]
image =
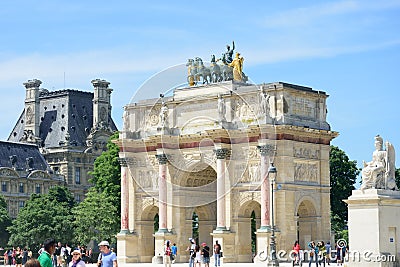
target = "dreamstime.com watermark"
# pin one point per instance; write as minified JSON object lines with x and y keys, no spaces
{"x":334,"y":255}
{"x":351,"y":256}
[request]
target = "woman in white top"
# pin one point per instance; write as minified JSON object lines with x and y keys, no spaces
{"x":197,"y":259}
{"x":76,"y":259}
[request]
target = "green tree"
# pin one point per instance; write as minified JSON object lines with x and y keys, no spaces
{"x":46,"y":215}
{"x":397,"y":176}
{"x":5,"y":221}
{"x":98,"y":217}
{"x":343,"y":174}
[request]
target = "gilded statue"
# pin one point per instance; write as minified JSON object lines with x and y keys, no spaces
{"x":237,"y":65}
{"x":379,"y":173}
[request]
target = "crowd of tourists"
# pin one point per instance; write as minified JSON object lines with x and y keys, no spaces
{"x":53,"y":254}
{"x":319,"y":253}
{"x":198,"y":254}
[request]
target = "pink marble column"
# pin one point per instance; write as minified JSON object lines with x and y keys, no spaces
{"x":221,"y":154}
{"x":265,"y":151}
{"x":124,"y":196}
{"x":162,"y":193}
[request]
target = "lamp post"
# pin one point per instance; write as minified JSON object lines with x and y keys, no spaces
{"x":272,"y":246}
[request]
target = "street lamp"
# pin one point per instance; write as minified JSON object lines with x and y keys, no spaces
{"x":272,"y":246}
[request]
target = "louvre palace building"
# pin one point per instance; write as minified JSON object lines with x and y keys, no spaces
{"x":55,"y":141}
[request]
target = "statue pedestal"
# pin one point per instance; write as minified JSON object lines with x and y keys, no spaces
{"x":127,"y":247}
{"x":159,"y":243}
{"x":263,"y":240}
{"x":227,"y":241}
{"x":374,"y":228}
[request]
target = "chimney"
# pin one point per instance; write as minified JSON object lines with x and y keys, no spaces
{"x":32,"y":109}
{"x":101,"y":104}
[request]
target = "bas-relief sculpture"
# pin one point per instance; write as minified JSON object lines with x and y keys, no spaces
{"x":379,"y":173}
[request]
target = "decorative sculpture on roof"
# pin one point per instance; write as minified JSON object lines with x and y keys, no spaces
{"x":379,"y":173}
{"x":229,"y":53}
{"x":164,"y":115}
{"x":224,"y":69}
{"x":237,"y":65}
{"x":221,"y":109}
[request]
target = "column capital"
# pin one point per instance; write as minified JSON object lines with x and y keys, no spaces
{"x":267,"y":150}
{"x":221,"y":153}
{"x":162,"y":158}
{"x":123,"y":162}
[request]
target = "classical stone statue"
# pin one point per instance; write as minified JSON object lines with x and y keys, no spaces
{"x":264,"y":104}
{"x":380,"y":172}
{"x":237,"y":65}
{"x":221,"y":109}
{"x":164,"y":115}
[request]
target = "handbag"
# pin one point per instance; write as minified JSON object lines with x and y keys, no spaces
{"x":220,"y":254}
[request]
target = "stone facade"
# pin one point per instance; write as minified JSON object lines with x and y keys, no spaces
{"x":70,"y":127}
{"x":24,"y":171}
{"x":215,"y":157}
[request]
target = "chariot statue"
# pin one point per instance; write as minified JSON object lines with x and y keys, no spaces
{"x":379,"y":173}
{"x":225,"y":68}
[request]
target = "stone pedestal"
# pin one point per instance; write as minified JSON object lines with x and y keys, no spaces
{"x":227,"y":241}
{"x":128,"y":248}
{"x":263,"y":240}
{"x":159,"y":243}
{"x":374,"y":228}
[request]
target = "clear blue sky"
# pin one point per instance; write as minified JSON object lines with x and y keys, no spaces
{"x":349,"y":49}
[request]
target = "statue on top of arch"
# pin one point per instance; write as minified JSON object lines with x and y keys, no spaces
{"x":225,"y":68}
{"x":379,"y":173}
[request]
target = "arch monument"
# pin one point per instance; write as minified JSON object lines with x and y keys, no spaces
{"x":205,"y":150}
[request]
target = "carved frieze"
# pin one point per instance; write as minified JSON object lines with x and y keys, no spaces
{"x":306,"y":153}
{"x":306,"y":171}
{"x":147,"y":179}
{"x":5,"y":172}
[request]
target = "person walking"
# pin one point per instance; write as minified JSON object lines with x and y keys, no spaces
{"x":45,"y":258}
{"x":107,"y":258}
{"x":77,"y":259}
{"x":321,"y":253}
{"x":313,"y":253}
{"x":206,"y":254}
{"x":167,"y":254}
{"x":191,"y":248}
{"x":217,"y":254}
{"x":174,"y":249}
{"x":18,"y":257}
{"x":328,"y":252}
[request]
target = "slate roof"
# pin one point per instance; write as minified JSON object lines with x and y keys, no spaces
{"x":61,"y":111}
{"x":19,"y":153}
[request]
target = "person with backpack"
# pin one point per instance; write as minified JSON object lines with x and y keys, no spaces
{"x":167,"y":254}
{"x":191,"y":248}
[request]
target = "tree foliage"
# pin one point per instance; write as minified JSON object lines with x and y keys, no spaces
{"x":397,"y":175}
{"x":5,"y":221}
{"x":46,"y":215}
{"x":97,"y":217}
{"x":343,"y":174}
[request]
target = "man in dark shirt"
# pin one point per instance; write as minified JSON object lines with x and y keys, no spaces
{"x":206,"y":254}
